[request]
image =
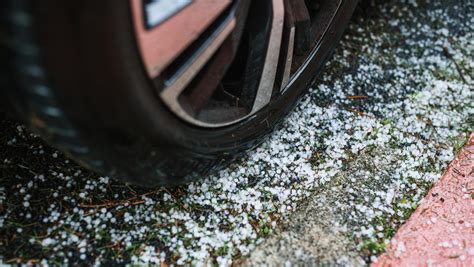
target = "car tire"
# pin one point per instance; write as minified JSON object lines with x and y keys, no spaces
{"x":77,"y":74}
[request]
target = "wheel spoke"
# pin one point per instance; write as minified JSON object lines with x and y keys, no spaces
{"x":297,"y":33}
{"x":267,"y":80}
{"x":289,"y":35}
{"x":212,"y":75}
{"x":302,"y":22}
{"x":172,"y":91}
{"x":163,"y":43}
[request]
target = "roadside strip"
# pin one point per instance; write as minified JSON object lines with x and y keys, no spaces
{"x":441,"y":231}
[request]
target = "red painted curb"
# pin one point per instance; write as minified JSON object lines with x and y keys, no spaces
{"x":441,"y":230}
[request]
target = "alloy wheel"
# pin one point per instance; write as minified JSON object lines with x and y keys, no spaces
{"x":215,"y":63}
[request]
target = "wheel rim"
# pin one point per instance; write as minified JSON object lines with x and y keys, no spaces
{"x":214,"y":63}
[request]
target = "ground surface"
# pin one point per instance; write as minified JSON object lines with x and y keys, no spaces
{"x":330,"y":186}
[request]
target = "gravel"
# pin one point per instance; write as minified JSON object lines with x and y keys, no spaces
{"x":359,"y":152}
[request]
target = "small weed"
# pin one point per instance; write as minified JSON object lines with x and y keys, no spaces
{"x":373,"y":246}
{"x":458,"y":143}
